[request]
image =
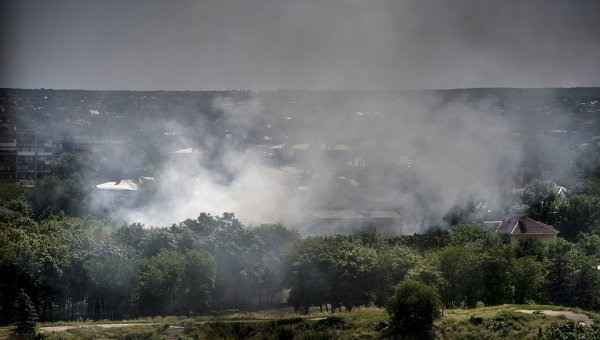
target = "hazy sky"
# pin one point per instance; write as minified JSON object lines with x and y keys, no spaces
{"x":320,"y":44}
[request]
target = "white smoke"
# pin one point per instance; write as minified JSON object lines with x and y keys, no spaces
{"x":423,"y":156}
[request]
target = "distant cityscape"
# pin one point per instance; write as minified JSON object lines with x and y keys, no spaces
{"x":134,"y":132}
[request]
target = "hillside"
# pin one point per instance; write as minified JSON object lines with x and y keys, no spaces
{"x":498,"y":322}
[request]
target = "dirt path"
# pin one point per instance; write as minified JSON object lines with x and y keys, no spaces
{"x":174,"y":329}
{"x":102,"y":325}
{"x":569,"y":315}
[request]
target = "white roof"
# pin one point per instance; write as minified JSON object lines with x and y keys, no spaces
{"x":290,"y":170}
{"x":126,"y":184}
{"x":187,"y":150}
{"x":301,"y":146}
{"x":342,"y":147}
{"x":335,"y":214}
{"x":385,"y":214}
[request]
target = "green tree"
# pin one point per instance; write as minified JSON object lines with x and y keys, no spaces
{"x":527,"y":279}
{"x":25,"y":314}
{"x":154,"y":240}
{"x":112,"y":278}
{"x":462,"y":277}
{"x":586,"y":285}
{"x":275,"y":238}
{"x":530,"y":246}
{"x":175,"y":283}
{"x":132,"y":235}
{"x":12,"y":191}
{"x":431,"y":240}
{"x":474,"y":237}
{"x":577,"y":214}
{"x":70,"y":163}
{"x":53,"y":195}
{"x":495,"y":266}
{"x":339,"y":270}
{"x":427,"y":270}
{"x":353,"y":268}
{"x":307,"y":274}
{"x":197,"y":282}
{"x":413,"y":308}
{"x":393,"y":264}
{"x":158,"y":283}
{"x":561,"y":271}
{"x":589,"y":245}
{"x":19,"y":206}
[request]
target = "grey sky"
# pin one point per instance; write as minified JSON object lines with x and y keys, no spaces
{"x":270,"y":44}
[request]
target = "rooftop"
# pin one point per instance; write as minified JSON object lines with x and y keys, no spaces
{"x":520,"y":224}
{"x":122,"y":185}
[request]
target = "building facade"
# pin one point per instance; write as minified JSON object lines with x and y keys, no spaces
{"x":27,"y":154}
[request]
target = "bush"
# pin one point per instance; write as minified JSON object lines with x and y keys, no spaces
{"x":25,"y":315}
{"x":330,"y":322}
{"x":570,"y":330}
{"x":413,"y":308}
{"x":476,"y":320}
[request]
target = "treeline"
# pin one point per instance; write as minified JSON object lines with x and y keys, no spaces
{"x":469,"y":266}
{"x":82,"y":268}
{"x":73,"y":268}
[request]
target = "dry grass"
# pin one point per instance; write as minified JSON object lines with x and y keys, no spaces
{"x":359,"y":324}
{"x":497,"y":322}
{"x":132,"y":333}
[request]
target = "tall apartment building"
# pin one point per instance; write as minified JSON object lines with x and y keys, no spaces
{"x":28,"y":154}
{"x":24,"y":154}
{"x":8,"y":154}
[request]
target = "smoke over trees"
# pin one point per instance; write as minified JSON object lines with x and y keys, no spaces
{"x":327,"y":161}
{"x":80,"y":267}
{"x":65,"y":264}
{"x":437,"y":167}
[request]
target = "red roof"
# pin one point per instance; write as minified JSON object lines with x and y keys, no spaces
{"x":520,"y":224}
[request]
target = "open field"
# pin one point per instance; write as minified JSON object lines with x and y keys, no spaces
{"x":503,"y":322}
{"x":498,"y":322}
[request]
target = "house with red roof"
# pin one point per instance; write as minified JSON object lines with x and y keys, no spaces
{"x":514,"y":227}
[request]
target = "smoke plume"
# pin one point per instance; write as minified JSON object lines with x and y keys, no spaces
{"x":419,"y":155}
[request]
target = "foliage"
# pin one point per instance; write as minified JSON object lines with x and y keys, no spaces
{"x":66,"y":263}
{"x":344,"y":271}
{"x":423,"y":242}
{"x":570,"y":330}
{"x":413,"y":308}
{"x":427,"y":270}
{"x":462,"y":281}
{"x":24,"y":314}
{"x":495,"y":266}
{"x":561,"y":271}
{"x":473,"y":236}
{"x":530,"y":246}
{"x":527,"y":280}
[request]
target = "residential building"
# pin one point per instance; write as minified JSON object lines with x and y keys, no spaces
{"x":515,"y":227}
{"x":28,"y":153}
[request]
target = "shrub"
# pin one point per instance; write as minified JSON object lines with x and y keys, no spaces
{"x":331,"y":322}
{"x":24,"y":314}
{"x":476,"y":320}
{"x":413,"y":308}
{"x":570,"y":330}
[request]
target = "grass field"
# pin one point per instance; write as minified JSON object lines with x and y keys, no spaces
{"x":497,"y":322}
